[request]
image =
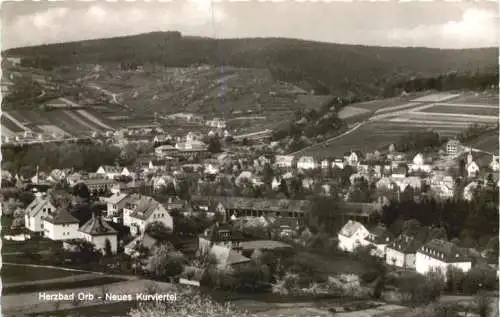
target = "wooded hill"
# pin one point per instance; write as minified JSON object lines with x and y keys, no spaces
{"x":325,"y":67}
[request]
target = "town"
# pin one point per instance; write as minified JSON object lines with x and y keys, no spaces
{"x":196,"y":207}
{"x":256,"y":159}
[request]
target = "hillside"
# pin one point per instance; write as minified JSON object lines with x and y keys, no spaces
{"x":338,"y":69}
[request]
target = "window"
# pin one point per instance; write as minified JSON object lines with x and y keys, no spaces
{"x":49,"y":210}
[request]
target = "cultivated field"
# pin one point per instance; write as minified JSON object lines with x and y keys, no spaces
{"x":487,"y":142}
{"x":480,"y":110}
{"x":74,"y":123}
{"x":392,"y":119}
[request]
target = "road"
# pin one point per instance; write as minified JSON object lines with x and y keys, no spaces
{"x":328,"y":141}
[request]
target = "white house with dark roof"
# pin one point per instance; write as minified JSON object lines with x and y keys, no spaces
{"x":401,"y":251}
{"x":306,"y":163}
{"x":98,"y":231}
{"x":60,"y":225}
{"x":228,"y":258}
{"x":419,"y":165}
{"x":494,"y":163}
{"x":439,"y":255}
{"x":471,"y":166}
{"x":352,"y":158}
{"x":378,"y":237}
{"x":284,"y":161}
{"x":138,"y":213}
{"x":109,"y":171}
{"x":352,"y":235}
{"x":338,"y":163}
{"x":115,"y":203}
{"x":36,"y":210}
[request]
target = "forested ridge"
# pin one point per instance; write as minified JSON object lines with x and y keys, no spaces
{"x":325,"y":67}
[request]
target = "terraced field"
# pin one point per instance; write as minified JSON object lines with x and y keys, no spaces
{"x":392,"y":119}
{"x":481,"y":110}
{"x":70,"y":122}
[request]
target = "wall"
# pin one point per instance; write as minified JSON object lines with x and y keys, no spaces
{"x":425,"y":263}
{"x":61,"y":232}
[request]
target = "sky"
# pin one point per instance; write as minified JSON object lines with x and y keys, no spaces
{"x":439,"y":24}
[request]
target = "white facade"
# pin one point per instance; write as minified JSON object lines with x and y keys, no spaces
{"x":60,"y":231}
{"x":325,"y":164}
{"x":352,"y":235}
{"x":425,"y":263}
{"x":33,"y":218}
{"x":352,"y":159}
{"x":338,"y":164}
{"x":285,"y":161}
{"x":100,"y":241}
{"x":472,"y":169}
{"x":159,"y":214}
{"x":306,"y":162}
{"x":495,"y":163}
{"x":418,"y":164}
{"x":399,"y":259}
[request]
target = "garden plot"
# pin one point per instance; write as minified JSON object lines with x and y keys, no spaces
{"x":481,"y":110}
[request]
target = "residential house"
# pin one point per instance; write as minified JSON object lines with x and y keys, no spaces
{"x":357,"y":176}
{"x":378,"y":237}
{"x":36,"y":210}
{"x":495,"y":163}
{"x":453,"y":147}
{"x":401,"y":252}
{"x":363,"y":168}
{"x":229,"y":259}
{"x":100,"y":233}
{"x":351,"y":236}
{"x":257,"y":207}
{"x":338,"y":163}
{"x":211,"y":169}
{"x":220,"y":235}
{"x":284,"y":161}
{"x":399,"y":172}
{"x":325,"y":164}
{"x":216,"y":123}
{"x":419,"y":164}
{"x":275,"y":184}
{"x":412,"y":181}
{"x":60,"y":225}
{"x":306,"y":163}
{"x":74,"y":179}
{"x":439,"y":255}
{"x":469,"y":190}
{"x":352,"y":158}
{"x":385,"y":183}
{"x":471,"y":166}
{"x":115,"y":204}
{"x":99,"y":184}
{"x":138,"y":213}
{"x":109,"y":171}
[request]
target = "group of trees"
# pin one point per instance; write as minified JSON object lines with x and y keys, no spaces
{"x":419,"y":141}
{"x":474,"y":223}
{"x":89,"y":157}
{"x":450,"y":81}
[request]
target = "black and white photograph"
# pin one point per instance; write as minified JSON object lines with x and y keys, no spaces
{"x":217,"y":158}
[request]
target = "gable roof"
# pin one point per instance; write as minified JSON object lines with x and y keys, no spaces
{"x":268,"y":205}
{"x":116,"y":198}
{"x":227,"y":256}
{"x":111,"y":169}
{"x":350,"y":228}
{"x":379,"y":235}
{"x":61,"y":216}
{"x":444,"y":251}
{"x":145,"y":207}
{"x":36,"y":206}
{"x":97,"y":227}
{"x":406,"y":244}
